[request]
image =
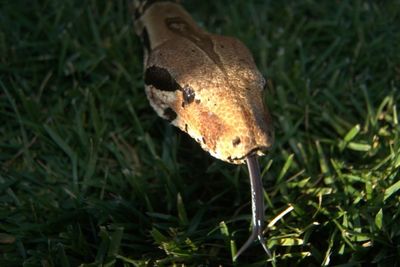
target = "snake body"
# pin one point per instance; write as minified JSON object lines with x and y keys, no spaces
{"x":208,"y":86}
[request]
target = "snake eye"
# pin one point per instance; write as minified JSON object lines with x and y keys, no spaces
{"x":188,"y":95}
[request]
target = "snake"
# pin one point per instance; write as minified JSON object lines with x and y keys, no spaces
{"x":208,"y":86}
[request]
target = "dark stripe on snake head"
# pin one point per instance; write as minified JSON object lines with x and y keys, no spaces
{"x":170,"y":114}
{"x":180,"y":27}
{"x":160,"y":78}
{"x":146,"y":39}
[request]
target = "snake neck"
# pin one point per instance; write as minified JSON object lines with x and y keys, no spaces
{"x":139,"y":7}
{"x":158,"y":21}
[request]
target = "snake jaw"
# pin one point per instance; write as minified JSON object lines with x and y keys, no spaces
{"x":259,"y":151}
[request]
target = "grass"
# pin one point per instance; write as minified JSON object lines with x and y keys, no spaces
{"x":90,"y":176}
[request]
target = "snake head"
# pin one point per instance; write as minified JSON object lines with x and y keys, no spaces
{"x":207,"y":85}
{"x":217,"y":98}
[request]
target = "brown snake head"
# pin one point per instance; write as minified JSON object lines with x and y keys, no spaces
{"x":207,"y":85}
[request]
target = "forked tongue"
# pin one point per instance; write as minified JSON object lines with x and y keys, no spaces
{"x":257,"y":207}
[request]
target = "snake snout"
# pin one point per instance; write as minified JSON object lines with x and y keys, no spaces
{"x":239,"y":156}
{"x":260,"y":150}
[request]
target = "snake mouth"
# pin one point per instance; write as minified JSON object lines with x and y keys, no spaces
{"x":259,"y":150}
{"x":256,"y":151}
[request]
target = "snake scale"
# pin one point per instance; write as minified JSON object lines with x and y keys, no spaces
{"x":208,"y":86}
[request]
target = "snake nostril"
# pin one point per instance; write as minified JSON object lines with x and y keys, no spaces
{"x":236,"y":141}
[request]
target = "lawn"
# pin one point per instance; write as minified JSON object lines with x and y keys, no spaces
{"x":90,"y":176}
